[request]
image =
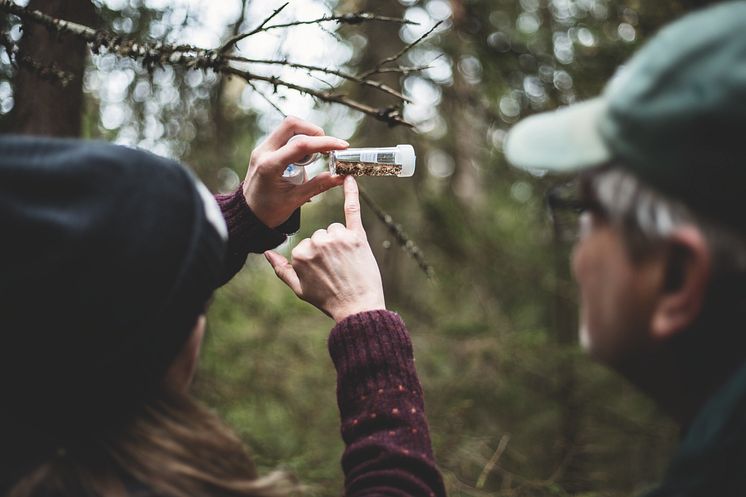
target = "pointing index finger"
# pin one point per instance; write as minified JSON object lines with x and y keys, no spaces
{"x":352,"y":206}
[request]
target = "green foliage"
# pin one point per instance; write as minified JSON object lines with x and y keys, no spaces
{"x":266,"y":370}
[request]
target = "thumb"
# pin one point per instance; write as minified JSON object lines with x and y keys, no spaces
{"x":284,"y":270}
{"x":318,"y":184}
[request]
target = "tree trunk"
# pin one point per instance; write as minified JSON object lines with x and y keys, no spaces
{"x":45,"y":107}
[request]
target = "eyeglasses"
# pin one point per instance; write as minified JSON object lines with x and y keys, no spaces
{"x":566,"y":203}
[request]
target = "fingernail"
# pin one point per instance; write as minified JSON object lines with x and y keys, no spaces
{"x":343,"y":142}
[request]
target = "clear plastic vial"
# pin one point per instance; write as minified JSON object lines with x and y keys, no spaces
{"x":374,"y":161}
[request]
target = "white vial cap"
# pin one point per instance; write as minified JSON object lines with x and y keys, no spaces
{"x":406,"y":157}
{"x":308,"y":159}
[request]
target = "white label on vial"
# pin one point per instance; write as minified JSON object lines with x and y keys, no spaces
{"x":369,"y":156}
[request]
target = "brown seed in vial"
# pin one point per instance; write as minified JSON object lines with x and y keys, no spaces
{"x":367,"y":169}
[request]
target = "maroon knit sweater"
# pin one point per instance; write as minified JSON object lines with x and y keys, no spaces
{"x":383,"y":423}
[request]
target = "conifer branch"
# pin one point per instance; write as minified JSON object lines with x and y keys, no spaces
{"x":152,"y":55}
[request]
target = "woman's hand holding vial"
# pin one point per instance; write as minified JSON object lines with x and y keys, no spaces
{"x":335,"y":269}
{"x":268,"y":194}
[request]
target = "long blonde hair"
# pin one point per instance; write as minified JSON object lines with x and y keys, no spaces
{"x":173,"y":447}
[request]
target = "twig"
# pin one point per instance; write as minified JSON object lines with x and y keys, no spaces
{"x":355,"y":18}
{"x":401,"y":237}
{"x":350,"y":77}
{"x":50,"y":72}
{"x":331,"y":33}
{"x":391,"y":114}
{"x":405,"y":70}
{"x":241,"y":18}
{"x":501,"y":446}
{"x":322,"y":81}
{"x":343,"y":19}
{"x":266,"y":98}
{"x":401,"y":52}
{"x":236,"y":38}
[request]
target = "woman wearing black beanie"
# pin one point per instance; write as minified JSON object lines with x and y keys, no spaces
{"x":108,"y":258}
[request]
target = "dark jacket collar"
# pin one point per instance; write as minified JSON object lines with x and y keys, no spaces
{"x":711,"y":458}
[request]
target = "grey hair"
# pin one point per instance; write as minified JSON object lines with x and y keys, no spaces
{"x":647,"y":218}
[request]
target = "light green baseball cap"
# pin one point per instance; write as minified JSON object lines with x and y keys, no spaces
{"x":675,"y":115}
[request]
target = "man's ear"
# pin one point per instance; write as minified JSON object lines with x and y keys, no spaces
{"x":181,"y":371}
{"x":684,"y":286}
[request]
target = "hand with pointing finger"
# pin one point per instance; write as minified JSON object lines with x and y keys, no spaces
{"x":270,"y":196}
{"x":335,"y":269}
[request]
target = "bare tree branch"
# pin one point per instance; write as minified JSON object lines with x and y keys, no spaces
{"x":189,"y":56}
{"x":403,"y":69}
{"x":404,"y":50}
{"x":356,"y":18}
{"x":236,"y":38}
{"x":350,"y":77}
{"x":331,"y":33}
{"x":391,"y":115}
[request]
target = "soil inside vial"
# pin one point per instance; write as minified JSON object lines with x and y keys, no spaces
{"x":367,"y":169}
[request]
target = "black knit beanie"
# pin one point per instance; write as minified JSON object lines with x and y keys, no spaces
{"x":107,"y":257}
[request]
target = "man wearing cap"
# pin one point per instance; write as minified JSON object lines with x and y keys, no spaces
{"x":661,"y":254}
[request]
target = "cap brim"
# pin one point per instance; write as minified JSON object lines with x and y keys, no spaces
{"x":565,"y":140}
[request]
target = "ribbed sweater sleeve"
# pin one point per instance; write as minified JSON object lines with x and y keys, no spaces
{"x":383,"y":423}
{"x":246,"y":233}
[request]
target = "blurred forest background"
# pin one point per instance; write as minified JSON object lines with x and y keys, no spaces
{"x":515,"y":408}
